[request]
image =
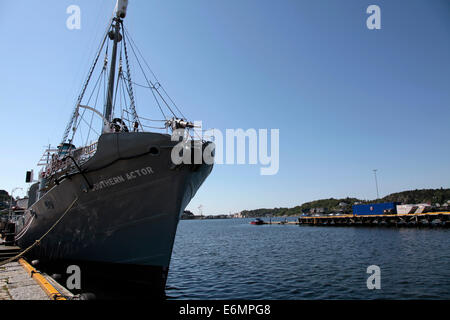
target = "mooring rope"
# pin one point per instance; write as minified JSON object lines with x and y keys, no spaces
{"x":37,"y":242}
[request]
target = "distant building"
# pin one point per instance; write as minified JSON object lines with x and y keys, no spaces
{"x":218,"y":216}
{"x":413,"y":208}
{"x":375,"y":208}
{"x":318,"y":210}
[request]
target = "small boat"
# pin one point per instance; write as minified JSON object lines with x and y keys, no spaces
{"x":257,"y":221}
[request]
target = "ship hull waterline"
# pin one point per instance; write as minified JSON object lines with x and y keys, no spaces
{"x":127,"y":221}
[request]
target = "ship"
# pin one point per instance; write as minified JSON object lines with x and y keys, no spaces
{"x":113,"y":205}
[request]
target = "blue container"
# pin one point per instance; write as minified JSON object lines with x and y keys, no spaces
{"x":374,"y":208}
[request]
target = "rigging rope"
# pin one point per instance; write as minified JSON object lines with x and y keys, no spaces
{"x":92,"y":116}
{"x":80,"y":96}
{"x":77,"y":123}
{"x":151,"y":84}
{"x":149,"y":119}
{"x":124,"y":79}
{"x":123,"y":95}
{"x":148,"y":67}
{"x":130,"y":86}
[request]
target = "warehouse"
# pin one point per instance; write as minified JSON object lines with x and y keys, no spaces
{"x":375,"y":208}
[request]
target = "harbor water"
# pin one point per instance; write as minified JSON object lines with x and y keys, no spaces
{"x":231,"y":259}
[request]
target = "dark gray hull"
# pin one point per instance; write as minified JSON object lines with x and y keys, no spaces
{"x":130,"y":216}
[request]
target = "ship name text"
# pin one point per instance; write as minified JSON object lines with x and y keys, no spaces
{"x":105,"y":183}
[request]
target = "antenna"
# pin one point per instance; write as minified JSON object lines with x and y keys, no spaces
{"x":376,"y":182}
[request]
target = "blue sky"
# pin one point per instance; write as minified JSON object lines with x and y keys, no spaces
{"x":345,"y":99}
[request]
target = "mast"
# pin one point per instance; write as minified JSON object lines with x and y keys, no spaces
{"x":121,"y":9}
{"x":112,"y":71}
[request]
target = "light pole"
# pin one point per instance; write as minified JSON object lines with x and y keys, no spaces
{"x":200,"y":207}
{"x":10,"y":201}
{"x":376,"y":182}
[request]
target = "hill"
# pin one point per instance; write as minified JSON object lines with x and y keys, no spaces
{"x":344,"y":205}
{"x":431,"y":196}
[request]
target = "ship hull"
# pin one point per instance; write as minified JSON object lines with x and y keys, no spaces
{"x":126,"y":221}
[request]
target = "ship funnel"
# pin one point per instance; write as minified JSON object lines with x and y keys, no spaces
{"x":121,"y":8}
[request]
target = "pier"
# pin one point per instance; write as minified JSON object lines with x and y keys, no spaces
{"x":283,"y":222}
{"x":21,"y":281}
{"x":429,"y":219}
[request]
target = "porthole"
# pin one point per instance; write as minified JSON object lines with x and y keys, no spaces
{"x":154,"y":151}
